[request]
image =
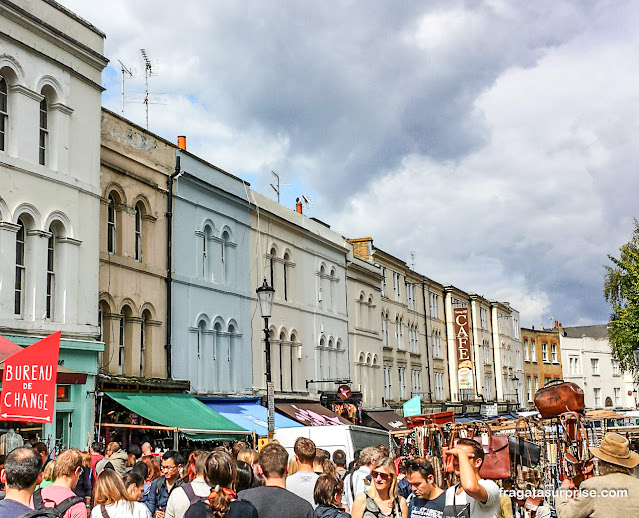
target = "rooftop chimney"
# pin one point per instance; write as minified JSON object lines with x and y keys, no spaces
{"x":298,"y":206}
{"x":182,"y":142}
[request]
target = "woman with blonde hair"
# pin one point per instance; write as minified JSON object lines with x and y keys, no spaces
{"x":381,"y":500}
{"x":112,"y":500}
{"x":49,"y":477}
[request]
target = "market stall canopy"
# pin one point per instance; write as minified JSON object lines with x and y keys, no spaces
{"x":249,"y":414}
{"x":384,"y":420}
{"x":311,"y":414}
{"x":180,"y":411}
{"x":64,"y":377}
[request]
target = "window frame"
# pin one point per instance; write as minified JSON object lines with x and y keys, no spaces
{"x":4,"y":112}
{"x":112,"y":225}
{"x":21,"y":268}
{"x":50,"y":296}
{"x":139,"y":229}
{"x":43,"y":140}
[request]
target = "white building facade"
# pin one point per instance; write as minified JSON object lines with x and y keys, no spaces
{"x":50,"y":74}
{"x":586,"y":360}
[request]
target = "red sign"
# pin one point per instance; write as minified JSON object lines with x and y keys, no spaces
{"x":28,"y":382}
{"x":344,"y":392}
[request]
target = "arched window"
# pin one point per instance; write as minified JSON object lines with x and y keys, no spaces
{"x":331,"y":282}
{"x":219,"y":362}
{"x":321,"y":286}
{"x":207,"y":272}
{"x":4,"y":113}
{"x":226,"y":239}
{"x":50,"y":273}
{"x":287,"y":259}
{"x":21,"y":268}
{"x":138,"y":232}
{"x":272,"y":255}
{"x":231,"y":358}
{"x":282,"y":340}
{"x":111,"y":225}
{"x":44,"y":131}
{"x":122,"y":341}
{"x":143,"y":335}
{"x":398,"y":332}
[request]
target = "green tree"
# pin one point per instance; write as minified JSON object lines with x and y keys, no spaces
{"x":621,"y":289}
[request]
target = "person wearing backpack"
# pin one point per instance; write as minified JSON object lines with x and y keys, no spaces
{"x":112,"y":499}
{"x":189,"y":493}
{"x":162,"y":487}
{"x":67,"y":471}
{"x":21,"y":473}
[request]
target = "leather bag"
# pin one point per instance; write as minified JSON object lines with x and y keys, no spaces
{"x":496,"y":463}
{"x":557,"y":397}
{"x":522,"y":451}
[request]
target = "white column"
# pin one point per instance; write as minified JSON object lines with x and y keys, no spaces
{"x":65,"y":304}
{"x":497,"y":354}
{"x":24,"y":141}
{"x":8,"y":233}
{"x":59,"y":115}
{"x":478,"y":363}
{"x":35,"y":295}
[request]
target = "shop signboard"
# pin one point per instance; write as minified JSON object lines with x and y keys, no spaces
{"x":413,"y":406}
{"x":462,"y":343}
{"x":29,"y":382}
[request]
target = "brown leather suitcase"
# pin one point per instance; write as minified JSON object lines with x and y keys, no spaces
{"x":557,"y":397}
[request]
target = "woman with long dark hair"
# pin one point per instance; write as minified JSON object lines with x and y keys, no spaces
{"x":221,"y":475}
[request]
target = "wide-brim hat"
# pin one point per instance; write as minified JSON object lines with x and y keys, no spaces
{"x":615,"y":449}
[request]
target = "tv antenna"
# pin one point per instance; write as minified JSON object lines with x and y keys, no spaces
{"x":276,"y":187}
{"x":124,"y":71}
{"x":148,"y":71}
{"x":306,"y":200}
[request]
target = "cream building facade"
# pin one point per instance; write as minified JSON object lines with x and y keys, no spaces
{"x":305,"y":262}
{"x":133,"y":233}
{"x":363,"y":285}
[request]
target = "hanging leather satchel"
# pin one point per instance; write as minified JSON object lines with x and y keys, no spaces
{"x":557,"y":397}
{"x":496,"y":463}
{"x":522,"y":451}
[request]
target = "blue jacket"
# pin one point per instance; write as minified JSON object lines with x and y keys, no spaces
{"x":159,"y":494}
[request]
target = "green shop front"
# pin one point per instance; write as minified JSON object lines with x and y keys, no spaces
{"x":72,"y":425}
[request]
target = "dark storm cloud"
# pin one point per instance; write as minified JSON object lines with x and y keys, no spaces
{"x":495,"y":139}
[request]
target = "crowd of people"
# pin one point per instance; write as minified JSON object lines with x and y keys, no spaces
{"x":239,"y":482}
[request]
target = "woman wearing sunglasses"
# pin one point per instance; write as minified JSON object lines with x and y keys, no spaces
{"x":381,"y":500}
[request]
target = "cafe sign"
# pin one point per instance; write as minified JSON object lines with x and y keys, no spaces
{"x":29,"y":382}
{"x":462,"y":343}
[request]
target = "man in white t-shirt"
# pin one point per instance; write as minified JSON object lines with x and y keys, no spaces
{"x":481,"y":496}
{"x":302,"y":483}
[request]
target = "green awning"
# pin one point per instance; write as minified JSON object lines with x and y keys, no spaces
{"x":178,"y":410}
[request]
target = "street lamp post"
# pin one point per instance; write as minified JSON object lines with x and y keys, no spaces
{"x":515,"y":379}
{"x":265,"y":300}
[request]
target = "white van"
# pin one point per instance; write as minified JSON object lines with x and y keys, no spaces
{"x":349,"y":438}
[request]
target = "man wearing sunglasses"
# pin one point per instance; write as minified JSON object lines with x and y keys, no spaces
{"x":429,"y":500}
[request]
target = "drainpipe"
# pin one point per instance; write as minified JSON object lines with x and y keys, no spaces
{"x":169,"y":262}
{"x":426,"y":316}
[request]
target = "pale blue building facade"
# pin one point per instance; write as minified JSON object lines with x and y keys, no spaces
{"x":211,"y":304}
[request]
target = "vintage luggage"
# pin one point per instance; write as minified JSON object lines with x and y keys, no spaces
{"x":522,"y":451}
{"x":557,"y":397}
{"x":496,"y":463}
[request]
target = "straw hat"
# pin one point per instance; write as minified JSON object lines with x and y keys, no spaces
{"x":615,"y":449}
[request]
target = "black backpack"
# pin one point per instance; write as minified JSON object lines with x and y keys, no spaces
{"x":190,"y":494}
{"x":50,"y":512}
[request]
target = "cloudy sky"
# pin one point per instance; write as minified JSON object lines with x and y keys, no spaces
{"x":496,"y":141}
